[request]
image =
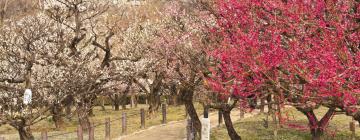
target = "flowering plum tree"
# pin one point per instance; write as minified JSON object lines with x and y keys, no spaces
{"x":17,"y":71}
{"x":305,"y":52}
{"x":41,"y":55}
{"x":28,"y":62}
{"x":181,"y":40}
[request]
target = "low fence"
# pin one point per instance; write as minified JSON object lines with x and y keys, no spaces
{"x":89,"y":133}
{"x":80,"y":134}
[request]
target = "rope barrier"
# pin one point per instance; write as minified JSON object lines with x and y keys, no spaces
{"x":102,"y":123}
{"x":95,"y":125}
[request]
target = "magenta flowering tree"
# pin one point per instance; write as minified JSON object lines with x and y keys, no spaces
{"x":306,"y":53}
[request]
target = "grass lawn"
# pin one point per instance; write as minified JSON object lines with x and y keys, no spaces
{"x":174,"y":113}
{"x":253,"y":129}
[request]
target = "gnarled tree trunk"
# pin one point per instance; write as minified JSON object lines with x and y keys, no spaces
{"x":175,"y":100}
{"x":25,"y":133}
{"x":4,"y":5}
{"x":102,"y":104}
{"x":268,"y":100}
{"x":84,"y":122}
{"x":57,"y":113}
{"x":91,"y":103}
{"x":136,"y":101}
{"x":132,"y":100}
{"x":23,"y":130}
{"x":83,"y":115}
{"x":154,"y":102}
{"x":68,"y":103}
{"x":124,"y":101}
{"x":116,"y":106}
{"x":229,"y":125}
{"x":317,"y":128}
{"x":116,"y":102}
{"x":186,"y":95}
{"x":68,"y":112}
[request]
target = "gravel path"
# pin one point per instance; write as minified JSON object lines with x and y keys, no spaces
{"x":177,"y":130}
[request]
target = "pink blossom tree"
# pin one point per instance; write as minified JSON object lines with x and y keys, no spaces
{"x":305,"y":52}
{"x":181,"y":41}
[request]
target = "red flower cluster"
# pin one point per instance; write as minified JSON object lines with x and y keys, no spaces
{"x":308,"y":49}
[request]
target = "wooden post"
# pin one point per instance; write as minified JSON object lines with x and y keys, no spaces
{"x":276,"y":124}
{"x":91,"y":131}
{"x":107,"y":129}
{"x":132,"y":103}
{"x":123,"y":124}
{"x":352,"y":129}
{"x":220,"y":117}
{"x":262,"y":105}
{"x":242,"y":113}
{"x":163,"y":113}
{"x":80,"y":133}
{"x":142,"y":118}
{"x":44,"y":135}
{"x":205,"y":125}
{"x":136,"y":100}
{"x":206,"y":112}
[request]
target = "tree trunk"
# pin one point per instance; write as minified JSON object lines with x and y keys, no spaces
{"x":83,"y":115}
{"x":229,"y":126}
{"x":84,"y":122}
{"x":190,"y":109}
{"x":154,"y":103}
{"x":173,"y":94}
{"x":317,"y":134}
{"x":123,"y":101}
{"x":123,"y":106}
{"x":136,"y":101}
{"x":277,"y":110}
{"x":91,"y":104}
{"x":25,"y":4}
{"x":280,"y":118}
{"x":175,"y":100}
{"x":68,"y":111}
{"x":3,"y":11}
{"x":268,"y":100}
{"x":57,"y":112}
{"x":25,"y":133}
{"x":116,"y":102}
{"x":68,"y":102}
{"x":91,"y":112}
{"x":132,"y":102}
{"x":187,"y":98}
{"x":116,"y":106}
{"x":2,"y":16}
{"x":262,"y":105}
{"x":313,"y":124}
{"x":317,"y":127}
{"x":41,"y":5}
{"x":103,"y":104}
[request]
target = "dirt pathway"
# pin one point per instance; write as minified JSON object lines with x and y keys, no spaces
{"x":177,"y":130}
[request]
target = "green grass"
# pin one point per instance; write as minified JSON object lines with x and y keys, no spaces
{"x":174,"y":113}
{"x":252,"y":128}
